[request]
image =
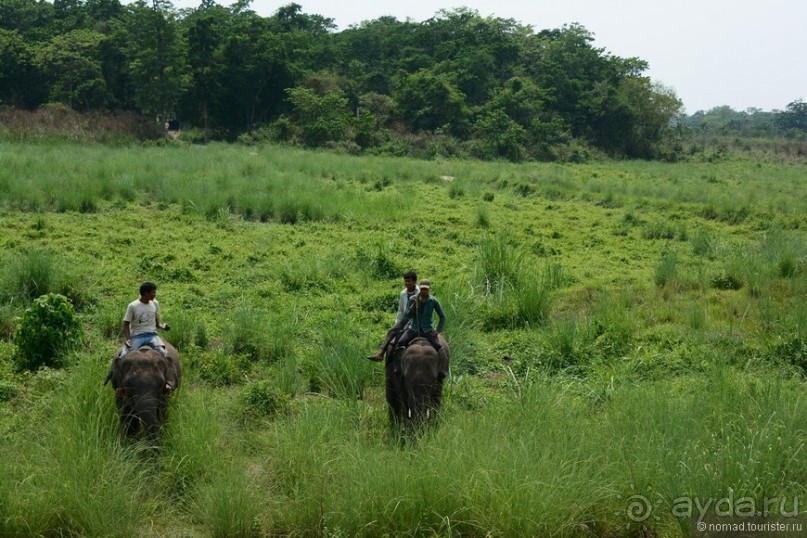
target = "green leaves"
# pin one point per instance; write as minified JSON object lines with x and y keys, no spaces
{"x":46,"y":332}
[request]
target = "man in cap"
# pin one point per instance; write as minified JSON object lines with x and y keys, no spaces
{"x":420,"y":311}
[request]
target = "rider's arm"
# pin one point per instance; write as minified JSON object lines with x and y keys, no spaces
{"x":440,"y":314}
{"x":159,"y":325}
{"x":125,"y":329}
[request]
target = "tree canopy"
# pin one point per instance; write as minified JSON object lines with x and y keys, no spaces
{"x":494,"y":86}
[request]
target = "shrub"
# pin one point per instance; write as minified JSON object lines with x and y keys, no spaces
{"x":220,"y":369}
{"x":47,"y":331}
{"x":726,"y":281}
{"x":261,"y":399}
{"x":7,"y":390}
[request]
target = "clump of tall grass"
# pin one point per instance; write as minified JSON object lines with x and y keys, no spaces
{"x":259,"y":335}
{"x":523,"y":301}
{"x":230,"y":503}
{"x":532,"y":298}
{"x":108,"y":319}
{"x":704,"y":244}
{"x":185,"y":330}
{"x":455,"y":190}
{"x":568,"y":343}
{"x":262,"y":399}
{"x":663,"y":230}
{"x":8,"y":317}
{"x":666,"y":271}
{"x":701,"y":443}
{"x":338,"y":368}
{"x":499,"y":261}
{"x":379,"y":261}
{"x":455,"y":480}
{"x":35,"y":273}
{"x":68,"y":475}
{"x":220,"y":368}
{"x":784,"y":253}
{"x":193,"y":439}
{"x":614,"y":328}
{"x":482,"y":216}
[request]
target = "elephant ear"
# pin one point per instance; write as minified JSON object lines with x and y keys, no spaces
{"x":162,"y":365}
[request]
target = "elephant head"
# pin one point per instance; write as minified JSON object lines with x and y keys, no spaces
{"x":415,"y":395}
{"x":143,"y":381}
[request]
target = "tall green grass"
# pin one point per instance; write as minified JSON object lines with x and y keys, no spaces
{"x":576,"y":382}
{"x":542,"y":461}
{"x":35,"y":273}
{"x":68,"y":475}
{"x":339,"y":364}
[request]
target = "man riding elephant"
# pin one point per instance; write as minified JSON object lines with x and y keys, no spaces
{"x":420,"y":311}
{"x":140,"y":324}
{"x":409,"y":291}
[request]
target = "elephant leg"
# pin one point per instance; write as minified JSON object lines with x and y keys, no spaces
{"x":394,"y":403}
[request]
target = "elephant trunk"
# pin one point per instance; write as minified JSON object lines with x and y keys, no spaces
{"x":143,"y":404}
{"x":419,"y":402}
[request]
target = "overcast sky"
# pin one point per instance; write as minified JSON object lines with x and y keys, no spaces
{"x":741,"y":53}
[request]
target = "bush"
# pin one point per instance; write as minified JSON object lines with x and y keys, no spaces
{"x":221,"y":369}
{"x":47,"y":330}
{"x":7,"y":390}
{"x":262,"y":399}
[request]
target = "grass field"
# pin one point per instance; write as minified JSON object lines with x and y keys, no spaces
{"x":629,"y":342}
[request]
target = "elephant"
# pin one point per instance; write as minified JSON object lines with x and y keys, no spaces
{"x":414,"y":395}
{"x":143,"y":382}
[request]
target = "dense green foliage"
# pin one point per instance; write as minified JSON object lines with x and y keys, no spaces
{"x":47,"y":330}
{"x":484,"y":87}
{"x":620,"y":332}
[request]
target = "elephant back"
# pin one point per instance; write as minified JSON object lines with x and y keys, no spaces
{"x":425,"y":349}
{"x":149,"y":362}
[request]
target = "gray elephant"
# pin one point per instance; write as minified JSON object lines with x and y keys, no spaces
{"x":414,"y":395}
{"x":143,"y":382}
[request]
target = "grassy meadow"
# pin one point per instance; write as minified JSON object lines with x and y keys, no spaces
{"x":629,"y":342}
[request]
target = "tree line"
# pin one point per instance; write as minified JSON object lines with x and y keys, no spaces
{"x":457,"y":83}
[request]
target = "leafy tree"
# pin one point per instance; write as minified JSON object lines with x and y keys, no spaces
{"x":479,"y":53}
{"x":206,"y":29}
{"x":376,"y":53}
{"x":649,"y":108}
{"x":17,"y":72}
{"x":31,"y":18}
{"x":321,"y":118}
{"x":500,"y":136}
{"x":69,"y":15}
{"x":428,"y":101}
{"x":258,"y":68}
{"x":73,"y":65}
{"x":47,"y":330}
{"x":155,"y":55}
{"x":794,"y":117}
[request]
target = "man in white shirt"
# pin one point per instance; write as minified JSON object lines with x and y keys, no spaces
{"x":410,"y":290}
{"x":142,"y":320}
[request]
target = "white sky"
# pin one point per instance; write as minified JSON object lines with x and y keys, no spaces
{"x":740,"y":53}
